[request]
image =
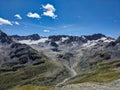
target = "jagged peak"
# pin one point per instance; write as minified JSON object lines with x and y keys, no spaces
{"x":1,"y":32}
{"x":118,"y":40}
{"x":94,"y":36}
{"x":31,"y":37}
{"x":4,"y":38}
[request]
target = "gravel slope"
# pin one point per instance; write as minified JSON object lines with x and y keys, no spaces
{"x":115,"y":85}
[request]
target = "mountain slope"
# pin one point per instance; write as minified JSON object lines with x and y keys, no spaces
{"x":99,"y":65}
{"x":75,"y":52}
{"x":58,"y":60}
{"x":20,"y":65}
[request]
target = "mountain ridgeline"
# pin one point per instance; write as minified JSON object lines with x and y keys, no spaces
{"x":57,"y":60}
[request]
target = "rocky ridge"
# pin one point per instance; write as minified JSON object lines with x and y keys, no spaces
{"x":76,"y":58}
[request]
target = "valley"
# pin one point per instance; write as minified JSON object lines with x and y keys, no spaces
{"x":59,"y":62}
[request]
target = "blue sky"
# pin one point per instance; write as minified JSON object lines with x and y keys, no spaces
{"x":58,"y":17}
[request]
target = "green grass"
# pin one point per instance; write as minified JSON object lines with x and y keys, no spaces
{"x":100,"y":77}
{"x":21,"y":76}
{"x":44,"y":74}
{"x":105,"y":72}
{"x":31,"y":87}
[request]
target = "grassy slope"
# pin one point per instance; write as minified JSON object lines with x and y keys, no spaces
{"x":105,"y":72}
{"x":43,"y":74}
{"x":31,"y":87}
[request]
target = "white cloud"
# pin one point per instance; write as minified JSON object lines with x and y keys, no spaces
{"x":33,"y":15}
{"x":18,"y":16}
{"x":5,"y":22}
{"x":67,"y":26}
{"x":15,"y":22}
{"x":49,"y":11}
{"x":46,"y":31}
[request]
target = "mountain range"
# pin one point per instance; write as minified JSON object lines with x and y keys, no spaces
{"x":57,"y":61}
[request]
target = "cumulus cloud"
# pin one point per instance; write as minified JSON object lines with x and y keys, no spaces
{"x":49,"y":11}
{"x":33,"y":15}
{"x":5,"y":22}
{"x":15,"y":22}
{"x":46,"y":31}
{"x":18,"y":16}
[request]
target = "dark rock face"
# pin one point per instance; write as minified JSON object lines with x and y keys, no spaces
{"x":67,"y":56}
{"x":4,"y":38}
{"x":56,"y":38}
{"x":94,"y":56}
{"x":31,"y":37}
{"x":53,"y":44}
{"x":78,"y":39}
{"x":118,"y":40}
{"x":114,"y":43}
{"x":75,"y":39}
{"x":55,"y":49}
{"x":15,"y":54}
{"x":24,"y":54}
{"x":95,"y":36}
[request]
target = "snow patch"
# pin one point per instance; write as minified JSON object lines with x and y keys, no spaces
{"x":83,"y":37}
{"x":89,"y":43}
{"x":64,"y":39}
{"x":106,"y":39}
{"x":29,"y":42}
{"x":58,"y":42}
{"x":94,"y":42}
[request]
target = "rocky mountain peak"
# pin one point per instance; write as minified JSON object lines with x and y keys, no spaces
{"x":118,"y":40}
{"x":94,"y":36}
{"x":4,"y":38}
{"x":29,"y":37}
{"x":34,"y":37}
